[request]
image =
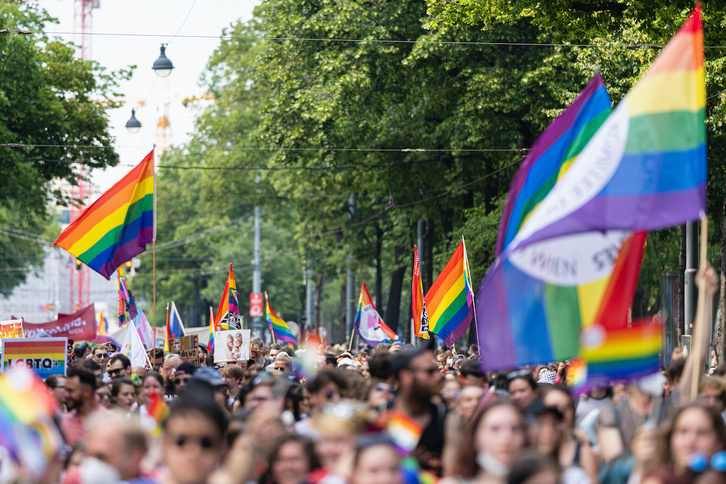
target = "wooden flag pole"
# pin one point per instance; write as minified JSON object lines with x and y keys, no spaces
{"x":700,"y":324}
{"x":153,"y":272}
{"x":350,"y":345}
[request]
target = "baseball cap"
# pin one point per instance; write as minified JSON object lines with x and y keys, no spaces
{"x":209,"y":375}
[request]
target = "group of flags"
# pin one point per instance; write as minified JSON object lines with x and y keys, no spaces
{"x":569,"y":246}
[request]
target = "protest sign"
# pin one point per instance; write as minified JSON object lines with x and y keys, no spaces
{"x":11,"y":329}
{"x":186,"y":347}
{"x":80,"y":326}
{"x":45,"y":356}
{"x":233,"y":345}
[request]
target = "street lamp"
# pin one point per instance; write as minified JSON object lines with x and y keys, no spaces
{"x":133,"y":124}
{"x":162,"y":66}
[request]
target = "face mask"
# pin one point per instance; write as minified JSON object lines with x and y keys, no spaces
{"x":94,"y":471}
{"x":491,"y":465}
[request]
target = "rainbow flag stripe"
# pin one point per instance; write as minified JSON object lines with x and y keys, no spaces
{"x":551,"y":155}
{"x":368,"y":323}
{"x":449,"y":300}
{"x":118,"y":225}
{"x":48,"y":355}
{"x":645,"y":168}
{"x":619,"y":354}
{"x":228,"y":312}
{"x":210,"y":344}
{"x":278,"y":326}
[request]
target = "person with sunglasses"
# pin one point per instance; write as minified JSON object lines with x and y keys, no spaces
{"x":118,"y":367}
{"x":193,"y":436}
{"x":100,"y":356}
{"x":418,"y":379}
{"x":326,"y":387}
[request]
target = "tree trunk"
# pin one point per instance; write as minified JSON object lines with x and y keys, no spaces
{"x":409,"y":313}
{"x":428,"y":276}
{"x":378,"y":292}
{"x":393,"y":309}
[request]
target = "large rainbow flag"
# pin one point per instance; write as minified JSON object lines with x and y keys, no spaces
{"x":555,"y":272}
{"x":368,"y":323}
{"x":118,"y":225}
{"x":450,"y":299}
{"x":645,"y":168}
{"x":278,"y":326}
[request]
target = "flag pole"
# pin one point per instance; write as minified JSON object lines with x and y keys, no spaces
{"x":473,"y":302}
{"x":700,"y":326}
{"x":350,"y":345}
{"x":153,"y":250}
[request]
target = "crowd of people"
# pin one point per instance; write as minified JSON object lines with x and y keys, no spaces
{"x":389,"y":415}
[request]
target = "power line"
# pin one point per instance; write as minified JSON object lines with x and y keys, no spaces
{"x":384,"y":41}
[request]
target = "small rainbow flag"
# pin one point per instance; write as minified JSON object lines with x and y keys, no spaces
{"x":404,"y":431}
{"x":210,"y":344}
{"x":158,"y":410}
{"x":368,"y":322}
{"x":118,"y":225}
{"x":228,"y":312}
{"x":278,"y":326}
{"x":450,"y":299}
{"x":27,"y":409}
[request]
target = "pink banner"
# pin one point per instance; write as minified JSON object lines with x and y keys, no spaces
{"x":80,"y":326}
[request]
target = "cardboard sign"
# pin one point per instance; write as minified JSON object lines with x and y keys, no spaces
{"x":11,"y":329}
{"x":45,"y":356}
{"x":186,"y":347}
{"x":233,"y":345}
{"x":80,"y":326}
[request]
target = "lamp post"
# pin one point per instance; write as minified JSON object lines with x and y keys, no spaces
{"x":163,"y":66}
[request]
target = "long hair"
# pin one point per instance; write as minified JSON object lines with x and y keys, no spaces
{"x":466,"y":466}
{"x":663,"y":456}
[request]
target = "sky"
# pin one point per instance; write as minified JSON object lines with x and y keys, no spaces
{"x":162,"y":18}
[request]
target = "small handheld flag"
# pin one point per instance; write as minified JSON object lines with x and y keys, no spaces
{"x":228,"y":312}
{"x":278,"y":326}
{"x":368,"y":323}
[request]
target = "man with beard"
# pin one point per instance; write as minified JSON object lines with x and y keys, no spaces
{"x":418,"y":379}
{"x":81,"y":402}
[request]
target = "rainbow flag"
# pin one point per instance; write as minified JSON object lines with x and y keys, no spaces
{"x":645,"y":168}
{"x":368,"y":323}
{"x":532,"y":303}
{"x":228,"y":312}
{"x":101,"y":323}
{"x":210,"y":344}
{"x":450,"y":299}
{"x":158,"y":411}
{"x":131,"y":309}
{"x":404,"y":431}
{"x":118,"y":225}
{"x":27,"y":409}
{"x":278,"y":326}
{"x":418,"y":305}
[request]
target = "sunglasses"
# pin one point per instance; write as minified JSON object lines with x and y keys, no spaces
{"x":205,"y":442}
{"x":517,"y":374}
{"x":115,"y":372}
{"x":102,"y":355}
{"x":383,"y":388}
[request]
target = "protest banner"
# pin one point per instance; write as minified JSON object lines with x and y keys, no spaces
{"x":233,"y":345}
{"x":186,"y":347}
{"x":80,"y":326}
{"x":11,"y":329}
{"x":45,"y":356}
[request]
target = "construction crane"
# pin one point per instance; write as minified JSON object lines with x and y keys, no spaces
{"x":80,"y":274}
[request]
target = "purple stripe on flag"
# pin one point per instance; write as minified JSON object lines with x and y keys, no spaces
{"x":492,"y":314}
{"x":128,"y":251}
{"x":642,"y":213}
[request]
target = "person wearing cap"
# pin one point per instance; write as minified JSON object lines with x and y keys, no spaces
{"x":184,"y":373}
{"x":215,"y":379}
{"x":346,"y":364}
{"x":81,"y":351}
{"x":418,"y":380}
